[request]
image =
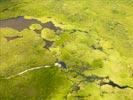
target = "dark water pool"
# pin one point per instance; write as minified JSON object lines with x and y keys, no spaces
{"x":19,"y":23}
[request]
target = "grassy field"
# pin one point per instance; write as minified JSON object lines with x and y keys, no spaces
{"x":94,"y":38}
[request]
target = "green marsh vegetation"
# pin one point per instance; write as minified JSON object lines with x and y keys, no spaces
{"x":93,"y":39}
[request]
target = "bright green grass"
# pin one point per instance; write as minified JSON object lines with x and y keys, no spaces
{"x":109,"y":25}
{"x":46,"y":83}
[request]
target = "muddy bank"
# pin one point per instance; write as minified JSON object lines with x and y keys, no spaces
{"x":9,"y":38}
{"x":20,"y":23}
